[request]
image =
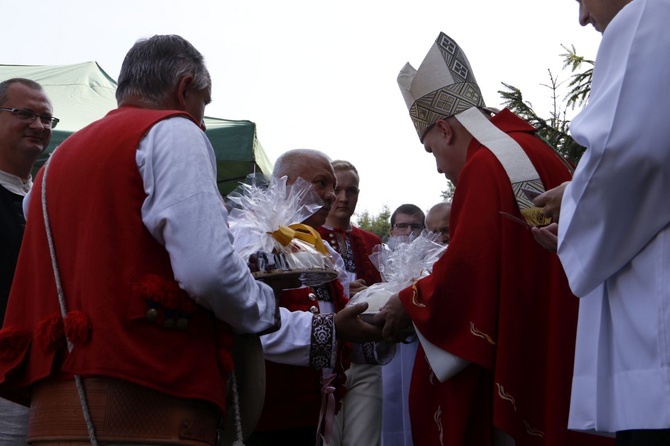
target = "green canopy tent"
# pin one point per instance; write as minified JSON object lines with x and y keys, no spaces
{"x":82,"y":93}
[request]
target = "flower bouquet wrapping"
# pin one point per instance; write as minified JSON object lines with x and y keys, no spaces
{"x":401,"y":262}
{"x":266,"y":222}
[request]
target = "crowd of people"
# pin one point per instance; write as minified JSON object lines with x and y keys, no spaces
{"x":544,"y":322}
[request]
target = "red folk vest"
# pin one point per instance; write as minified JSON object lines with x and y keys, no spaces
{"x":293,"y":393}
{"x":128,"y":318}
{"x":362,"y":243}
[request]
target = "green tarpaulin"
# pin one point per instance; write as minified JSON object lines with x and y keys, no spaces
{"x":82,"y":93}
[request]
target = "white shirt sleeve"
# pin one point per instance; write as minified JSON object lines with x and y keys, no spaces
{"x":618,"y":199}
{"x":292,"y":343}
{"x":184,"y":212}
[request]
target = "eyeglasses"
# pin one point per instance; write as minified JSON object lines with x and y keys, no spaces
{"x":404,"y":226}
{"x":28,"y":117}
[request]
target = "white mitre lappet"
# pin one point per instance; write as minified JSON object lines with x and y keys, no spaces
{"x":445,"y":86}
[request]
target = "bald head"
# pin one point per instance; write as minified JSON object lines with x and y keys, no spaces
{"x":314,"y":167}
{"x":297,"y":163}
{"x":437,"y":220}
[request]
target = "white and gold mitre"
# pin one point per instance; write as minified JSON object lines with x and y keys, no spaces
{"x":444,"y":85}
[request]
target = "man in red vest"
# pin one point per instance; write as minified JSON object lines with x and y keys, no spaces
{"x":306,"y":358}
{"x":118,"y":326}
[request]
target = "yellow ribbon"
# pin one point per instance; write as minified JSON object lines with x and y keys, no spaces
{"x":306,"y":233}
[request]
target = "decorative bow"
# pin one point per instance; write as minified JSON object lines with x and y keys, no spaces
{"x":306,"y":233}
{"x":327,"y":412}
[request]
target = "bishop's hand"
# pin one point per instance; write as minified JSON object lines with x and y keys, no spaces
{"x":396,"y":323}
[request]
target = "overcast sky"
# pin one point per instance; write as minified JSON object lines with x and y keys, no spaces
{"x":319,"y":74}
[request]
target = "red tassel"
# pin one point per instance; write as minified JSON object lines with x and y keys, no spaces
{"x":152,"y":287}
{"x":165,"y":292}
{"x":50,"y":333}
{"x":78,"y":327}
{"x":13,"y":341}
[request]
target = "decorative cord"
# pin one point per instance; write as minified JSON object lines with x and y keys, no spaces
{"x":63,"y":306}
{"x":238,"y":415}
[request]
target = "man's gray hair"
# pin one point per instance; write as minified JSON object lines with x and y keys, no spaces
{"x":4,"y":86}
{"x":291,"y":162}
{"x":153,"y":68}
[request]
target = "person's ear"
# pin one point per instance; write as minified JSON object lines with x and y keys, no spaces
{"x":183,"y":89}
{"x":446,"y":130}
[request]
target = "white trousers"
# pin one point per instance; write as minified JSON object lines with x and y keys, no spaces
{"x":359,"y":421}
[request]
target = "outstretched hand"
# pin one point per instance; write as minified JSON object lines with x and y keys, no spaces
{"x":350,"y":327}
{"x":395,"y":321}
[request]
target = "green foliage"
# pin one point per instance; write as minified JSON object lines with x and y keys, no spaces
{"x":380,"y":224}
{"x":448,"y":193}
{"x":580,"y":83}
{"x":555,"y":129}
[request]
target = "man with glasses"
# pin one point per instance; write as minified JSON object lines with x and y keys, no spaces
{"x":407,"y":219}
{"x":23,"y":138}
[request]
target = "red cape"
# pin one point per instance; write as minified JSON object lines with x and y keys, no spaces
{"x":499,"y":300}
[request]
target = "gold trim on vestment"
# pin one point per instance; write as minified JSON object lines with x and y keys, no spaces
{"x":415,"y":293}
{"x":480,"y":334}
{"x":531,"y":431}
{"x":506,"y":396}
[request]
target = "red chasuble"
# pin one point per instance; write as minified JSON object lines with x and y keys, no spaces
{"x":499,"y":300}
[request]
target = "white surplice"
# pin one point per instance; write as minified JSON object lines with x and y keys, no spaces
{"x":614,"y":229}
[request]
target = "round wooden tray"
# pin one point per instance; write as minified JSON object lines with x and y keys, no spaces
{"x":306,"y":275}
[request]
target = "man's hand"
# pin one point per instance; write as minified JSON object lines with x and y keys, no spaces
{"x":356,"y":286}
{"x":551,"y":201}
{"x":395,"y":320}
{"x":547,"y":236}
{"x":350,"y":327}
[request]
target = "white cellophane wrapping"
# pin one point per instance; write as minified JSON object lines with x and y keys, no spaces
{"x":257,"y":211}
{"x":401,"y":262}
